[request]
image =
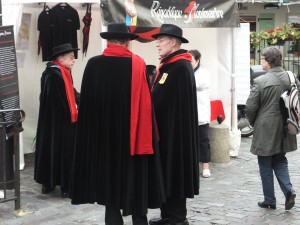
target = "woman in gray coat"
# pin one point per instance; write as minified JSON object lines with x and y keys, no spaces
{"x":269,"y":143}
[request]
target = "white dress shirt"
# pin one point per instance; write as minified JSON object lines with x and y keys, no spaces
{"x":202,"y":77}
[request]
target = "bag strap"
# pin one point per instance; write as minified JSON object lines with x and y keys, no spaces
{"x":292,"y":77}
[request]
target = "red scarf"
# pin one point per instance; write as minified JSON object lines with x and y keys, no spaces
{"x":140,"y":108}
{"x":69,"y":90}
{"x":186,"y":56}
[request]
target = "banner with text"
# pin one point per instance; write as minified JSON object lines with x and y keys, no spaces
{"x":9,"y":86}
{"x":184,"y":13}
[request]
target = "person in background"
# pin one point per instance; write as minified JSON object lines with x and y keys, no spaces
{"x":150,"y":72}
{"x":116,"y":159}
{"x":56,"y":122}
{"x":175,"y":107}
{"x":270,"y":143}
{"x":202,"y":77}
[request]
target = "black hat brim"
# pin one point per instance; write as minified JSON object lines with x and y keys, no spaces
{"x":182,"y":39}
{"x":63,"y":52}
{"x":117,"y":35}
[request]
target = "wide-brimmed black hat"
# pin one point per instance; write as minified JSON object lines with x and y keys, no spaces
{"x":118,"y":31}
{"x":62,"y":49}
{"x":171,"y":30}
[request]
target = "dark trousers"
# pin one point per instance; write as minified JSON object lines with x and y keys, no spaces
{"x":114,"y":217}
{"x":279,"y":164}
{"x":204,"y":143}
{"x":174,"y":209}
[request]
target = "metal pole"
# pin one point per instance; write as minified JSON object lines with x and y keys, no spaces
{"x":17,"y":164}
{"x":232,"y":78}
{"x":233,"y":103}
{"x":3,"y":140}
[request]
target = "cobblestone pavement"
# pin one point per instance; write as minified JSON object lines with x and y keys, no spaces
{"x":229,"y":196}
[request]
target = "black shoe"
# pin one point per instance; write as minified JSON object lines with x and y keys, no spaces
{"x":186,"y":222}
{"x":46,"y":189}
{"x":159,"y":221}
{"x":264,"y":205}
{"x":290,"y":199}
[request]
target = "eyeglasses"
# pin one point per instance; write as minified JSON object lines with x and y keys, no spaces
{"x":262,"y":58}
{"x":158,"y":41}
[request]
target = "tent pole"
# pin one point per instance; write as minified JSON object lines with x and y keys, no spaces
{"x":233,"y":88}
{"x":234,"y":133}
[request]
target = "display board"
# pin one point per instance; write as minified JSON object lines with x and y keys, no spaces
{"x":9,"y":86}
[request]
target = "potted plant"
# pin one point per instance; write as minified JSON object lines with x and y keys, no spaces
{"x":276,"y":36}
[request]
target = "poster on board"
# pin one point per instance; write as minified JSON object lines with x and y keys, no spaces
{"x":9,"y":86}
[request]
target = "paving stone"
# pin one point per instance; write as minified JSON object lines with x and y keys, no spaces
{"x":220,"y":222}
{"x":215,"y":204}
{"x":236,"y":215}
{"x":201,"y":218}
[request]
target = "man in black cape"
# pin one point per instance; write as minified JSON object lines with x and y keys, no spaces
{"x":116,"y":159}
{"x":175,"y":107}
{"x":56,"y":122}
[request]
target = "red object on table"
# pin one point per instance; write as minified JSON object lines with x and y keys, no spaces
{"x":217,"y":109}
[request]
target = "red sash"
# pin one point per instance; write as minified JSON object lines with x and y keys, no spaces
{"x":69,"y":90}
{"x":140,"y":108}
{"x":186,"y":56}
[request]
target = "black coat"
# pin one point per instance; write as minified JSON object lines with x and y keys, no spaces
{"x":175,"y":106}
{"x":55,"y":132}
{"x":104,"y":172}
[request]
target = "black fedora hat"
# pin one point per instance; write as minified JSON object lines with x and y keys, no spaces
{"x":171,"y":30}
{"x":62,"y":49}
{"x":118,"y":31}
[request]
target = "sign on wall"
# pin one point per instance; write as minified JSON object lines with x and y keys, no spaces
{"x":9,"y":87}
{"x":184,"y":13}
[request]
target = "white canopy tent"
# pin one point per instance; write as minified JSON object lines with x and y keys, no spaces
{"x":224,"y":52}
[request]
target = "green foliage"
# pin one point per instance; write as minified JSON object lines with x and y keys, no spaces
{"x":274,"y":37}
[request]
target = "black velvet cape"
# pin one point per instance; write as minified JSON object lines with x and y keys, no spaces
{"x":55,"y":132}
{"x":175,"y":106}
{"x":104,"y":172}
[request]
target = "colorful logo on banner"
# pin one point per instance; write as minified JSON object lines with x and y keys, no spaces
{"x":131,"y":14}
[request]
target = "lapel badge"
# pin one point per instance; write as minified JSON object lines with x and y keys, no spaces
{"x":163,"y":78}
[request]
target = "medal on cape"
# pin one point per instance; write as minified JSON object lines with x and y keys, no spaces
{"x":163,"y":78}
